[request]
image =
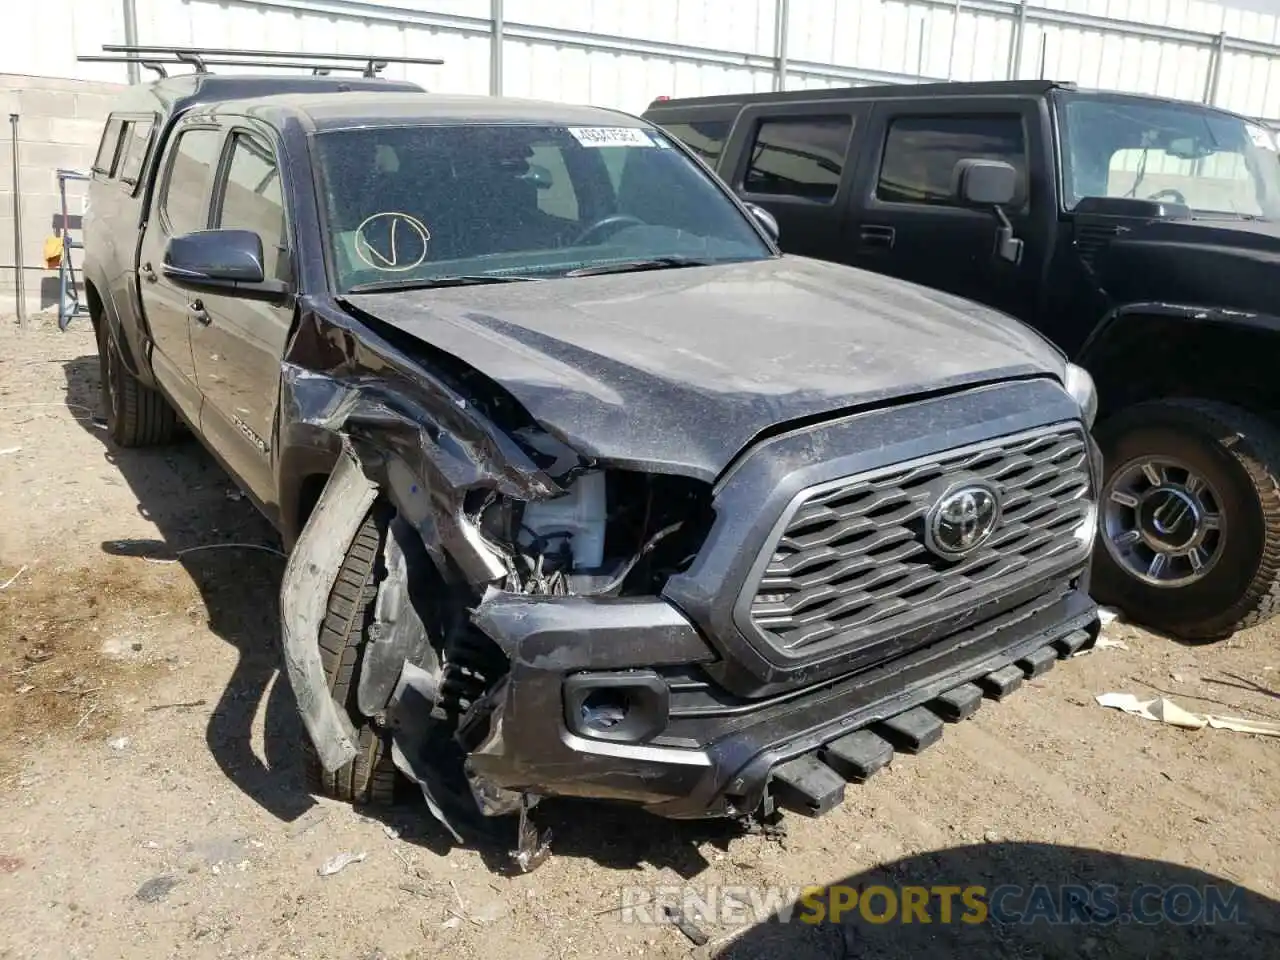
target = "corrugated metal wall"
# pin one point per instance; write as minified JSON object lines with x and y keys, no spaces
{"x":623,"y":52}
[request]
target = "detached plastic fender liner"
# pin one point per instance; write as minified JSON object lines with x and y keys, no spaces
{"x":309,"y":576}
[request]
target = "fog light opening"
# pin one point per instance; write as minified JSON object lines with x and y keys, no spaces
{"x":602,"y":710}
{"x":623,"y":707}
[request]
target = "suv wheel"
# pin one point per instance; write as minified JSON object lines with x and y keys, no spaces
{"x":136,"y":415}
{"x":1189,"y":526}
{"x":372,"y":776}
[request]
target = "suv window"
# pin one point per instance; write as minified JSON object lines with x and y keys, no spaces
{"x":251,"y":198}
{"x":704,"y":137}
{"x":921,"y":153}
{"x":109,"y":148}
{"x":137,"y":137}
{"x":190,"y":180}
{"x":799,"y":157}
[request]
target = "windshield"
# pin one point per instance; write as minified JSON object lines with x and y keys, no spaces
{"x":1210,"y":161}
{"x":423,"y":203}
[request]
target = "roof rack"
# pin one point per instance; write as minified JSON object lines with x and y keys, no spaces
{"x":201,"y":58}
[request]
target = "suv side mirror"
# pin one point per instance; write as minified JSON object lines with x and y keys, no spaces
{"x":990,"y":183}
{"x":984,"y":183}
{"x":221,"y":261}
{"x":765,"y":219}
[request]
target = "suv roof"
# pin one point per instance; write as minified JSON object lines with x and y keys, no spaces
{"x":982,"y":88}
{"x":336,"y":111}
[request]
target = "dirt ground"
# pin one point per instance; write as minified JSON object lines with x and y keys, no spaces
{"x":153,"y":803}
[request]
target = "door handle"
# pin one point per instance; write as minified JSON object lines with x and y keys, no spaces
{"x":198,"y":313}
{"x":876,"y":235}
{"x":147,"y":273}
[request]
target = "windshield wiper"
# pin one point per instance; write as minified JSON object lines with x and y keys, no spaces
{"x":635,"y":266}
{"x":435,"y":283}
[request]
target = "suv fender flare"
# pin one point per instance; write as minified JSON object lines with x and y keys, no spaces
{"x":1100,"y":338}
{"x":131,"y":342}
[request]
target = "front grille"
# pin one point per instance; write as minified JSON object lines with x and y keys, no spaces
{"x":851,"y":562}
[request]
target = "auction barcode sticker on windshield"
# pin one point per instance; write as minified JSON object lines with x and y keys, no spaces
{"x":611,"y":136}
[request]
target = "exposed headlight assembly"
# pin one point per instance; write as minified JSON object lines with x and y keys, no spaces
{"x":1081,"y":387}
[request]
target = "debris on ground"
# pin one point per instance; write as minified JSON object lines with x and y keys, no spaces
{"x":21,"y":570}
{"x":1102,"y":643}
{"x":340,"y":862}
{"x":1166,"y":711}
{"x":38,"y":654}
{"x":175,"y":706}
{"x":157,"y":888}
{"x":697,"y":936}
{"x":119,"y":743}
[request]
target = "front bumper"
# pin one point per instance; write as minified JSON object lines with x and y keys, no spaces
{"x":717,"y":755}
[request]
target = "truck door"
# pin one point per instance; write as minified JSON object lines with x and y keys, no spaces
{"x":181,"y":206}
{"x":795,"y":160}
{"x":238,"y":342}
{"x":906,"y":221}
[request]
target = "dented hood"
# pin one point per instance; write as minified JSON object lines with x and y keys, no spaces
{"x":677,"y":370}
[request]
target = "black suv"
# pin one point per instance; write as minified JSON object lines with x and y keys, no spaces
{"x":588,"y":490}
{"x":1140,"y":235}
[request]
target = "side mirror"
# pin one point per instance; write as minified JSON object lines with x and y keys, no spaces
{"x":765,"y":219}
{"x":990,"y":183}
{"x":984,"y":183}
{"x":221,"y":261}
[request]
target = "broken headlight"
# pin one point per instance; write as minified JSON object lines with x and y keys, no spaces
{"x":614,"y":532}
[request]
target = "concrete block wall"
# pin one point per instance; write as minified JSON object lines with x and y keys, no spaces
{"x":59,"y":125}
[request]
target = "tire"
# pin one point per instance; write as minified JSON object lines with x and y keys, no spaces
{"x":1238,"y":454}
{"x":136,"y":415}
{"x":371,"y":778}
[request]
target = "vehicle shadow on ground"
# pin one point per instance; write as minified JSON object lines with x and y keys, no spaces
{"x":184,"y":492}
{"x":1172,"y":911}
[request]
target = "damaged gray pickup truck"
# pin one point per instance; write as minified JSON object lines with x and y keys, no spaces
{"x":588,"y":490}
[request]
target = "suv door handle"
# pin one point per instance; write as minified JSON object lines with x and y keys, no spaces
{"x":198,"y":313}
{"x":876,"y":235}
{"x":147,"y":273}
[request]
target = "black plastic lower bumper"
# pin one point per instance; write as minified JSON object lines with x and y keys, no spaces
{"x":729,"y":757}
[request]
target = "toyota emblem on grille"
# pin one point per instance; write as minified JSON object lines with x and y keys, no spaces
{"x":963,"y":519}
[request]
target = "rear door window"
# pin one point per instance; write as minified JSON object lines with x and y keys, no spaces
{"x":189,"y":183}
{"x":137,"y":140}
{"x":109,"y":148}
{"x":799,"y":157}
{"x":921,"y":153}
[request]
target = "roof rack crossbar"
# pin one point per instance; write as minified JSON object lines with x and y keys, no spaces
{"x":158,"y":64}
{"x":199,"y":56}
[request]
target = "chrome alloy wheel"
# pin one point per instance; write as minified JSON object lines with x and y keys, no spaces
{"x":1162,"y":522}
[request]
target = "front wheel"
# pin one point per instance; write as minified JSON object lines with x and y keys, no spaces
{"x":1189,"y":525}
{"x":136,"y":415}
{"x":370,"y":778}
